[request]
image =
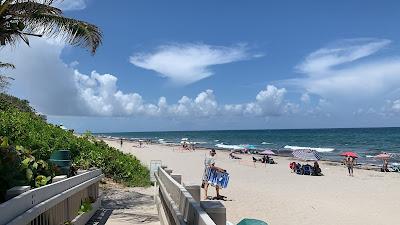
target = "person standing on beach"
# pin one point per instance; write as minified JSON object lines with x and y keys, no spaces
{"x":385,"y":165}
{"x":349,"y":162}
{"x":121,"y":142}
{"x":209,"y":163}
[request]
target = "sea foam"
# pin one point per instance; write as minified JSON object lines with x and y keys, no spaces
{"x":229,"y":146}
{"x":310,"y":148}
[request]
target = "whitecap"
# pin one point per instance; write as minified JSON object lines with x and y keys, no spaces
{"x":266,"y":143}
{"x":236,"y":147}
{"x":309,"y":148}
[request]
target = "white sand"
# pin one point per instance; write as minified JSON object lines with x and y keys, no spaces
{"x":273,"y":194}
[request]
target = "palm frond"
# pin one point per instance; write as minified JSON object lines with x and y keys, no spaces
{"x":28,"y":7}
{"x":4,"y":6}
{"x":7,"y":65}
{"x":75,"y":32}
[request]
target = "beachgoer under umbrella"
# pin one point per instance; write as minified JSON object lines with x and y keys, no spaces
{"x":385,"y":165}
{"x":317,"y":170}
{"x":350,"y":162}
{"x":209,"y":164}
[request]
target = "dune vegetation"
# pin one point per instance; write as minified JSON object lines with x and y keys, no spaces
{"x":27,"y":141}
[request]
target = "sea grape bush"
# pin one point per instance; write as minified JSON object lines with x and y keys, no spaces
{"x":22,"y":127}
{"x":19,"y":167}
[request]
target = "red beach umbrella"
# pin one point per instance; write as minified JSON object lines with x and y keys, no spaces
{"x":351,"y":154}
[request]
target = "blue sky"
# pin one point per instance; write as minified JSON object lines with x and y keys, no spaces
{"x":241,"y":65}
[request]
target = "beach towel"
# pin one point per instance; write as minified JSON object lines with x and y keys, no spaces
{"x":216,"y":178}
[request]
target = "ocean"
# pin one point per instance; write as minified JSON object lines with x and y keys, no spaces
{"x":367,"y":142}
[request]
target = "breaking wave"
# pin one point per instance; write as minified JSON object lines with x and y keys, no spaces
{"x":310,"y":148}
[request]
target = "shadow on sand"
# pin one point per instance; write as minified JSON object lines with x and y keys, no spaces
{"x":125,"y":205}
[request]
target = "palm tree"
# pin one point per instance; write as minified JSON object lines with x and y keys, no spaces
{"x":20,"y":19}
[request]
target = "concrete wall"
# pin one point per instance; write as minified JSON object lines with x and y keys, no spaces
{"x":178,"y":207}
{"x":58,"y":201}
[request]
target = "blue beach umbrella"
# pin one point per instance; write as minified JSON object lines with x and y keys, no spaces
{"x":306,"y":154}
{"x":247,"y":221}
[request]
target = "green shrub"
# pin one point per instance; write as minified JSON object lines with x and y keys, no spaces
{"x":24,"y":128}
{"x":19,"y":167}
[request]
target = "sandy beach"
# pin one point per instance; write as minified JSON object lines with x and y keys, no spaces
{"x":273,"y":194}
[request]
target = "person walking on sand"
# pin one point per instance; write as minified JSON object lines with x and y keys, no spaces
{"x":209,"y":163}
{"x":349,"y":162}
{"x":121,"y":142}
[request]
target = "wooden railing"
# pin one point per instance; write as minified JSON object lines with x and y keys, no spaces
{"x":176,"y":205}
{"x":56,"y":203}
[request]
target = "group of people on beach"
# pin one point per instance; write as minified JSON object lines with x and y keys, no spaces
{"x":188,"y":146}
{"x":306,"y":169}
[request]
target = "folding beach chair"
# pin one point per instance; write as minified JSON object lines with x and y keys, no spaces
{"x":307,"y":170}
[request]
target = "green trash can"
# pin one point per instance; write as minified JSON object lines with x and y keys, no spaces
{"x":62,"y":159}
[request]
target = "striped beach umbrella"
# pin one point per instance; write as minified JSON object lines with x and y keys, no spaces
{"x":306,"y":154}
{"x":267,"y":152}
{"x":383,"y":156}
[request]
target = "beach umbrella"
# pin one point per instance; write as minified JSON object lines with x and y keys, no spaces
{"x":382,"y":156}
{"x":351,"y":154}
{"x":267,"y":152}
{"x":306,"y":154}
{"x":247,"y":221}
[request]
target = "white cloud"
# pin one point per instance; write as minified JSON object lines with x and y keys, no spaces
{"x":69,"y":5}
{"x":57,"y":88}
{"x":268,"y":102}
{"x":336,"y":73}
{"x":345,"y":51}
{"x":391,"y":108}
{"x":187,"y":63}
{"x":305,"y":98}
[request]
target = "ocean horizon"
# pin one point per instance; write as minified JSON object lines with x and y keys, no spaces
{"x":366,"y":142}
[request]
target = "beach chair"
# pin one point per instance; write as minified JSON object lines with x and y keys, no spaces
{"x":299,"y":169}
{"x":307,"y":170}
{"x":395,"y":168}
{"x":271,"y":161}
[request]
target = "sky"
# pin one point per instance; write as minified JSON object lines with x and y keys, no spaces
{"x":218,"y":65}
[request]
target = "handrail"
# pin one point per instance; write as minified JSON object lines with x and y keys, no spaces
{"x":25,"y":207}
{"x":183,"y":208}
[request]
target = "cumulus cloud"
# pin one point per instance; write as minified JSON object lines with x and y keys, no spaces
{"x":41,"y":77}
{"x":58,"y":88}
{"x":391,"y":108}
{"x":268,"y":102}
{"x":69,"y":5}
{"x":187,"y":63}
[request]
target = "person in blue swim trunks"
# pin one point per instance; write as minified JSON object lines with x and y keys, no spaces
{"x":209,"y":163}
